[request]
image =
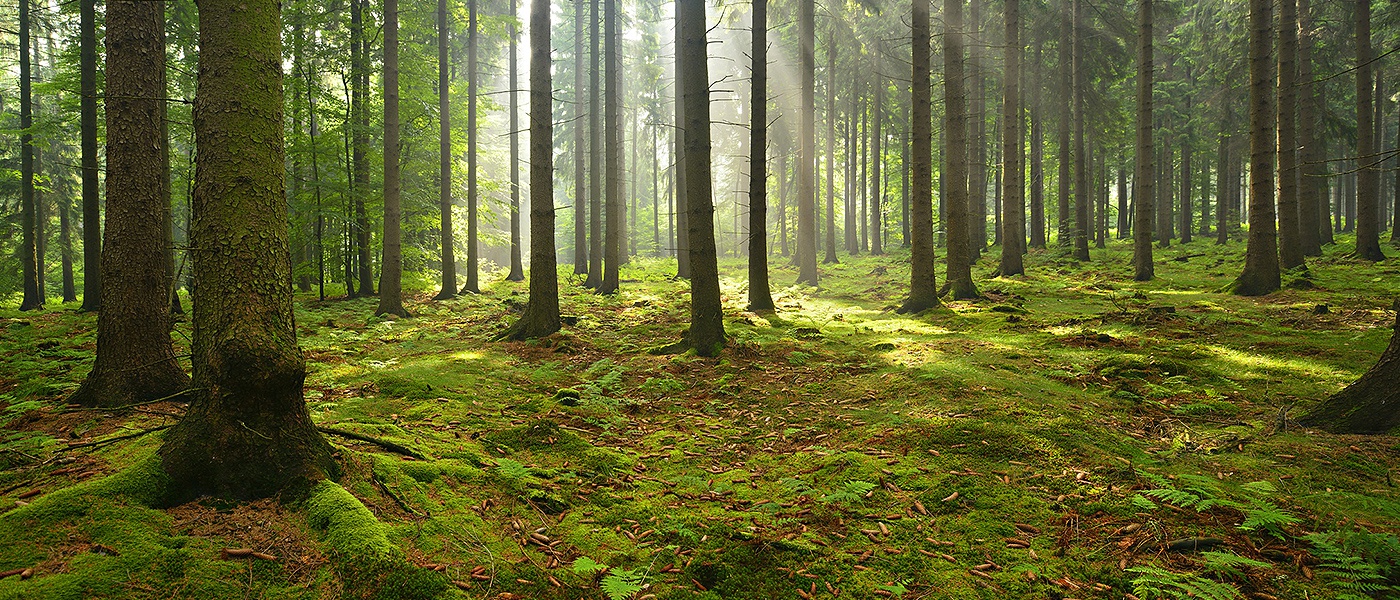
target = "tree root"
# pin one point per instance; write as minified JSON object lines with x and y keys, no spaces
{"x":382,"y":443}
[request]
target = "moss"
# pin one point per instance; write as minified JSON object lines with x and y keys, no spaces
{"x":370,"y":566}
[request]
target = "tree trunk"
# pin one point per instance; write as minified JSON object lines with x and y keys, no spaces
{"x":830,"y":257}
{"x":1013,"y":236}
{"x":135,"y":360}
{"x":1124,"y":217}
{"x":1369,"y":405}
{"x":1261,"y":267}
{"x":1142,"y":177}
{"x":923,"y":287}
{"x":955,"y":154}
{"x":1081,"y":159}
{"x":1368,"y":245}
{"x":876,"y":136}
{"x":541,"y":316}
{"x":517,"y":268}
{"x":706,"y":335}
{"x":360,"y":159}
{"x":1186,"y":211}
{"x":1037,"y":228}
{"x":28,"y":250}
{"x":449,"y":264}
{"x":977,"y":144}
{"x":580,"y":147}
{"x":1223,"y":197}
{"x":806,"y":179}
{"x":92,"y":201}
{"x":473,"y":284}
{"x":391,"y":265}
{"x":595,"y":153}
{"x":65,"y":242}
{"x":1311,"y":171}
{"x":1290,"y":249}
{"x":247,"y":432}
{"x":760,"y":296}
{"x":612,"y":128}
{"x":1064,"y":233}
{"x":682,"y":246}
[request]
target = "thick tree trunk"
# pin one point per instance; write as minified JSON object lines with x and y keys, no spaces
{"x":955,"y":154}
{"x":760,"y":296}
{"x":706,"y":335}
{"x":247,"y":432}
{"x":1290,"y":248}
{"x":1310,"y":180}
{"x":1261,"y":268}
{"x":923,"y":287}
{"x":473,"y":284}
{"x":1368,"y":245}
{"x":135,"y":360}
{"x":449,"y":263}
{"x":612,"y":128}
{"x":92,"y":201}
{"x":1013,"y":175}
{"x":517,"y":268}
{"x":580,"y":148}
{"x":1369,"y":405}
{"x":806,"y":179}
{"x":541,"y":315}
{"x":391,"y":269}
{"x":360,"y":158}
{"x":1081,"y":159}
{"x":595,"y":152}
{"x":29,"y":245}
{"x":1142,"y":178}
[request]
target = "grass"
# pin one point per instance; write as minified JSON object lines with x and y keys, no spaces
{"x":992,"y":448}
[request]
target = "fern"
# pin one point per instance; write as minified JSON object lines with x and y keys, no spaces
{"x":622,"y":584}
{"x":794,"y":485}
{"x":1153,"y":583}
{"x":1359,"y":565}
{"x":852,"y":493}
{"x":1141,"y":502}
{"x":512,"y":469}
{"x":587,"y":566}
{"x":1227,"y":564}
{"x":896,"y":588}
{"x":1267,"y":517}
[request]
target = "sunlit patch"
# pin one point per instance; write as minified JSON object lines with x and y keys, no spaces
{"x":466,"y":356}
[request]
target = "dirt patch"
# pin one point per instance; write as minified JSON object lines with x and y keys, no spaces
{"x":263,"y":526}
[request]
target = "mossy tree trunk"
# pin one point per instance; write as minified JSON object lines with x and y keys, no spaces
{"x":391,"y":263}
{"x":923,"y":287}
{"x":541,"y":315}
{"x":135,"y":360}
{"x":706,"y":334}
{"x":1372,"y":403}
{"x":1142,"y":176}
{"x":247,"y":432}
{"x":1261,"y":269}
{"x":760,"y":296}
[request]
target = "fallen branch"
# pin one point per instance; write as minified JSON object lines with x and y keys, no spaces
{"x":385,"y":444}
{"x":114,"y":439}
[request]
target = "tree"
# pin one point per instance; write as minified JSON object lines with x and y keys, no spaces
{"x":92,"y":201}
{"x":1290,"y":248}
{"x":955,"y":154}
{"x":1368,"y":177}
{"x":247,"y":432}
{"x":1037,"y":228}
{"x":1062,"y":134}
{"x":1261,"y":269}
{"x":541,"y":316}
{"x":580,"y":174}
{"x":472,"y":286}
{"x":1371,"y":404}
{"x":1013,"y":237}
{"x":135,"y":360}
{"x":517,"y":270}
{"x":612,"y":128}
{"x":830,"y":257}
{"x":760,"y":297}
{"x":449,"y":265}
{"x":1310,"y":197}
{"x":706,"y":335}
{"x":876,"y":135}
{"x":359,"y":101}
{"x":391,"y":269}
{"x":29,"y":245}
{"x":923,"y":287}
{"x":807,"y":150}
{"x":1142,"y":177}
{"x":1081,"y":159}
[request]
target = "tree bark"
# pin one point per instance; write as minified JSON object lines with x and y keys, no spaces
{"x":360,"y":158}
{"x":541,"y":316}
{"x":1261,"y":267}
{"x":1290,"y":249}
{"x":92,"y":201}
{"x":1037,"y":228}
{"x":391,"y":269}
{"x":595,"y":152}
{"x":1081,"y":159}
{"x":955,"y":154}
{"x":449,"y":263}
{"x":830,"y":257}
{"x":1143,"y":179}
{"x":1065,"y":230}
{"x":473,"y":284}
{"x":1368,"y":245}
{"x":1186,"y":211}
{"x":135,"y":360}
{"x":877,"y":165}
{"x":1371,"y":404}
{"x":247,"y":432}
{"x":517,"y":269}
{"x":706,"y":335}
{"x":612,"y":128}
{"x":806,"y":179}
{"x":580,"y":147}
{"x":1311,"y":180}
{"x":760,"y":296}
{"x":923,"y":287}
{"x":1013,"y":236}
{"x":29,"y":248}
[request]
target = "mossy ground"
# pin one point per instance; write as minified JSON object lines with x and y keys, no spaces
{"x":834,"y":446}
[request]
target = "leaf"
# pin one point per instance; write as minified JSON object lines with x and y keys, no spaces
{"x":622,"y":584}
{"x":587,"y":566}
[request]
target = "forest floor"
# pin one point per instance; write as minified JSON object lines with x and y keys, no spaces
{"x":1072,"y":434}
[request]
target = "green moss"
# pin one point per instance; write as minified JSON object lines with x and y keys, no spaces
{"x":370,"y":566}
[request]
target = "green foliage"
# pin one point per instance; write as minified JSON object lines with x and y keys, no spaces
{"x":1152,"y":583}
{"x":587,"y":566}
{"x":621,"y":584}
{"x":896,"y":588}
{"x":853,"y":492}
{"x":1203,"y":493}
{"x":1359,"y":565}
{"x":512,"y":469}
{"x":1229,"y":564}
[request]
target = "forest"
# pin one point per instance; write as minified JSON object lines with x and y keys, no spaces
{"x":646,"y":300}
